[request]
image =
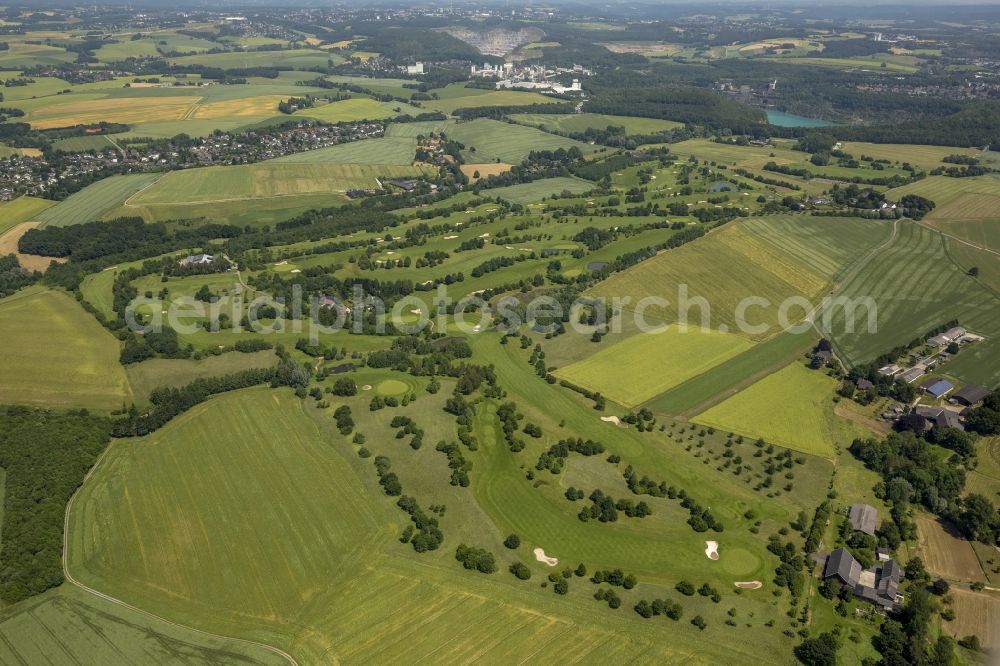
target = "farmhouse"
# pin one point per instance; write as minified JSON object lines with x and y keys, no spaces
{"x":863,"y":517}
{"x":937,"y":388}
{"x":971,"y":394}
{"x":879,"y":585}
{"x":939,"y":417}
{"x":197,"y":260}
{"x":912,"y":375}
{"x":864,"y":385}
{"x":951,"y":335}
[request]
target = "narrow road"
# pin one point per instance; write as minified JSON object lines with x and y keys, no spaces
{"x":118,"y":602}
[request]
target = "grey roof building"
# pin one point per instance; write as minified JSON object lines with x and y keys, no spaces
{"x":878,"y":585}
{"x":863,"y":517}
{"x":971,"y":394}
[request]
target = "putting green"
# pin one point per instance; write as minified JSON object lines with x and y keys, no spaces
{"x":738,"y":561}
{"x":392,"y":387}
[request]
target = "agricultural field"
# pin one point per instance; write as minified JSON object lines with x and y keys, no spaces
{"x":92,"y":202}
{"x":977,"y":613}
{"x":83,"y":143}
{"x":966,"y":207}
{"x":491,"y":140}
{"x":294,"y":58}
{"x":658,"y":361}
{"x":567,"y":123}
{"x":265,"y":180}
{"x":22,"y":209}
{"x":915,"y":286}
{"x":64,"y":357}
{"x":772,"y":259}
{"x":541,"y":189}
{"x":946,"y":553}
{"x":22,"y":55}
{"x":118,"y":109}
{"x":456,"y":96}
{"x":355,"y":108}
{"x":413,"y":130}
{"x":388,"y":150}
{"x":792,"y":407}
{"x":69,"y":625}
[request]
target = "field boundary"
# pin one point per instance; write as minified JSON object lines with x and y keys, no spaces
{"x":118,"y":602}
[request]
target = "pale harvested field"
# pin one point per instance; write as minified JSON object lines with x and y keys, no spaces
{"x":119,"y":110}
{"x":976,"y":613}
{"x":945,"y":554}
{"x":485,"y":170}
{"x":8,"y":245}
{"x":260,"y":105}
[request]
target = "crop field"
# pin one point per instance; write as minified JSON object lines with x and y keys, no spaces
{"x":485,"y":170}
{"x":21,"y":55}
{"x":22,"y":209}
{"x":456,"y":96}
{"x":294,"y":58}
{"x":391,"y":150}
{"x":176,"y":372}
{"x":915,"y":287}
{"x":923,"y":156}
{"x":540,"y":189}
{"x":966,"y":207}
{"x":656,"y":362}
{"x":977,"y":613}
{"x":384,"y":86}
{"x":117,"y":109}
{"x":568,"y":123}
{"x":727,"y":378}
{"x":504,"y":142}
{"x":83,"y":143}
{"x":792,"y":407}
{"x":255,"y":106}
{"x":263,"y":211}
{"x":126,"y":48}
{"x":266,"y":180}
{"x":769,"y":265}
{"x":93,"y":201}
{"x":355,"y":108}
{"x":57,"y":354}
{"x":945,"y":553}
{"x":69,"y":626}
{"x":413,"y":130}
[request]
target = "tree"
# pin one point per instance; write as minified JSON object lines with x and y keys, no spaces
{"x":520,"y":571}
{"x":345,"y":386}
{"x":699,"y":622}
{"x":940,"y":587}
{"x":979,"y":519}
{"x":818,"y":651}
{"x":512,"y":541}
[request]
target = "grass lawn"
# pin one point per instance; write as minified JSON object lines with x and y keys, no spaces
{"x":176,"y":372}
{"x":792,"y":407}
{"x":57,"y":354}
{"x":540,"y":189}
{"x":638,"y":368}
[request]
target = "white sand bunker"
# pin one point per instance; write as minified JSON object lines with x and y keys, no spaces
{"x":366,"y":387}
{"x":296,"y":270}
{"x":750,"y":584}
{"x":450,"y":237}
{"x":613,"y":419}
{"x":542,"y":557}
{"x":712,"y":550}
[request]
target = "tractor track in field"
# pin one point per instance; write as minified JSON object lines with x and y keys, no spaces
{"x":118,"y":602}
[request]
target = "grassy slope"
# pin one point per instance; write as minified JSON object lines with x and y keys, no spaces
{"x":57,"y":354}
{"x":22,"y":209}
{"x":792,"y":407}
{"x":494,"y":140}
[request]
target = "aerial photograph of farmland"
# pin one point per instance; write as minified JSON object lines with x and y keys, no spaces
{"x":485,"y":332}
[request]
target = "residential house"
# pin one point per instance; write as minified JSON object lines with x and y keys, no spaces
{"x":878,"y":585}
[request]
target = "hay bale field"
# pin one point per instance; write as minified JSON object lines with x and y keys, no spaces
{"x":976,"y":613}
{"x":57,"y":355}
{"x":656,"y":362}
{"x":945,"y":553}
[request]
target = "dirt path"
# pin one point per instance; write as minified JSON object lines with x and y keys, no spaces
{"x":118,"y":602}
